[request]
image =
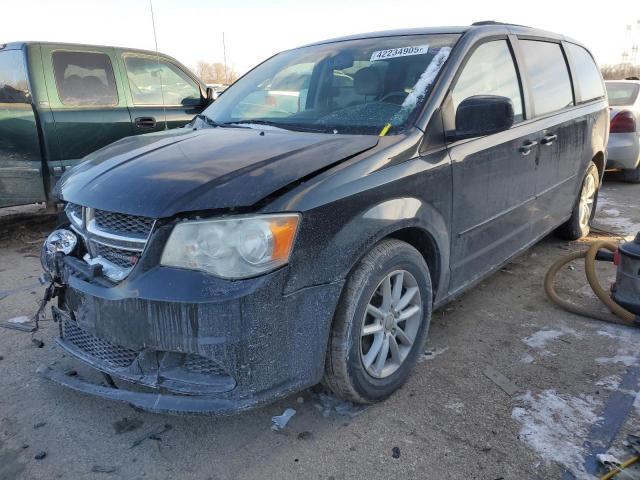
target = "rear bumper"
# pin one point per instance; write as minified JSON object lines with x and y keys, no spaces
{"x":218,"y":350}
{"x":623,"y":150}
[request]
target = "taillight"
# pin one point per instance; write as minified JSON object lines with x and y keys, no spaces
{"x":623,"y":122}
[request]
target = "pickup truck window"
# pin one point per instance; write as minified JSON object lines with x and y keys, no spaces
{"x":84,"y":79}
{"x":490,"y":71}
{"x":13,"y":80}
{"x":156,"y":82}
{"x":548,"y":75}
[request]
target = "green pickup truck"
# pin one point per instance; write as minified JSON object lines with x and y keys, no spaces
{"x":60,"y":102}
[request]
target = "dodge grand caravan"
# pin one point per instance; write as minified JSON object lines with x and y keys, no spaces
{"x":305,"y":225}
{"x":60,"y":102}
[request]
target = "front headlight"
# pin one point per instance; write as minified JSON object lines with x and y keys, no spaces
{"x":233,"y":248}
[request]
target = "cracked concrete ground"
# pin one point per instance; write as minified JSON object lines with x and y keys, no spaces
{"x":449,"y":421}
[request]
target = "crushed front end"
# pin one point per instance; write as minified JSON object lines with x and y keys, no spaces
{"x":178,"y":340}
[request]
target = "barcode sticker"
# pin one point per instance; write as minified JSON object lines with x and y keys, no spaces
{"x":399,"y":52}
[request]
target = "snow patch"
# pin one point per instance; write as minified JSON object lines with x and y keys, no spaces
{"x":554,"y":425}
{"x":610,"y":383}
{"x":540,"y":338}
{"x":627,"y":360}
{"x":526,"y":358}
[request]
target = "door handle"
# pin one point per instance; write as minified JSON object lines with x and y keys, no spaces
{"x":526,"y":147}
{"x":548,"y":140}
{"x":145,"y":122}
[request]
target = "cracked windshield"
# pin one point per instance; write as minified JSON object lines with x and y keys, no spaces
{"x":371,"y":86}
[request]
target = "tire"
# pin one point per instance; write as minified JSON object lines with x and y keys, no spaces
{"x":345,"y":371}
{"x":577,"y":227}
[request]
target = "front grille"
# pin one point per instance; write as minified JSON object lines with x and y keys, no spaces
{"x":117,"y":256}
{"x":202,"y":365}
{"x":102,"y":351}
{"x":123,"y":224}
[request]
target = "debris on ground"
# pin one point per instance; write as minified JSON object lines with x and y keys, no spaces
{"x":37,"y":342}
{"x":608,"y":460}
{"x":500,"y":380}
{"x":306,"y":435}
{"x":280,"y":421}
{"x":153,"y":434}
{"x":20,"y":319}
{"x":103,"y":469}
{"x":40,"y":455}
{"x":431,"y":354}
{"x":39,"y":425}
{"x":395,"y":452}
{"x":327,"y":404}
{"x":127,"y":425}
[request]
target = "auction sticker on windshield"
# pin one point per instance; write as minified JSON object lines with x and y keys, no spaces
{"x":399,"y":52}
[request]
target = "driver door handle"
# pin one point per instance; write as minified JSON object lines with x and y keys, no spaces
{"x":526,"y":147}
{"x":145,"y":122}
{"x":548,"y":140}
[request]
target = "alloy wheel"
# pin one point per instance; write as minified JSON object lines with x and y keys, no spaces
{"x":587,"y":198}
{"x":391,"y":323}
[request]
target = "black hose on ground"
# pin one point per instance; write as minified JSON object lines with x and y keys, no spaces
{"x":622,"y":316}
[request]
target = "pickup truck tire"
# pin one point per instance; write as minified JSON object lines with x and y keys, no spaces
{"x":631,"y":175}
{"x":375,"y":314}
{"x":579,"y":224}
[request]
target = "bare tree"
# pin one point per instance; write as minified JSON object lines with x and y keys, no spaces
{"x":215,"y":73}
{"x":620,"y":71}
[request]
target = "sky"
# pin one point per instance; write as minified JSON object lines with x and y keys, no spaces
{"x":191,"y":30}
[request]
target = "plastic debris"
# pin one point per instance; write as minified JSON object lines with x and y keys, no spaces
{"x":395,"y":452}
{"x":328,"y":404}
{"x":40,"y":455}
{"x":280,"y":421}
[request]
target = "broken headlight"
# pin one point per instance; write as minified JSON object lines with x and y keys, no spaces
{"x":234,"y":248}
{"x":61,"y":240}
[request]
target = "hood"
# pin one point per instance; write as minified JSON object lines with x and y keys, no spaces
{"x":162,"y":174}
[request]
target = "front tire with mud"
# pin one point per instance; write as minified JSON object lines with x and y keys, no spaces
{"x":381,"y":323}
{"x":579,"y":224}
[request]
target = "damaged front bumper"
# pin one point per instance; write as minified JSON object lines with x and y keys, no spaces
{"x":187,"y":343}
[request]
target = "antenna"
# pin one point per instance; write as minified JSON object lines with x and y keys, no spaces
{"x":224,"y":53}
{"x":155,"y":39}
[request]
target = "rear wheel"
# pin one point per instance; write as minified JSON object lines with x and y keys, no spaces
{"x":579,"y":224}
{"x":381,"y":323}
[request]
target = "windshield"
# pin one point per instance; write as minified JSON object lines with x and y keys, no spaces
{"x":621,"y":94}
{"x":353,"y":87}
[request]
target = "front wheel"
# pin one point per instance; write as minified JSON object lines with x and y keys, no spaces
{"x":381,"y":323}
{"x":579,"y":224}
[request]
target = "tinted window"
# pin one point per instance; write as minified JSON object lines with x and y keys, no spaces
{"x":152,"y":82}
{"x":490,"y":71}
{"x":13,"y":80}
{"x":587,"y":74}
{"x":622,"y":94}
{"x":84,"y":78}
{"x":548,"y":75}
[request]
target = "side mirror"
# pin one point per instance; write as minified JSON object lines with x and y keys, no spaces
{"x":482,"y":115}
{"x":212,"y":95}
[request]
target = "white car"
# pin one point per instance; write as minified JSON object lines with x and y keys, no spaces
{"x":624,"y":139}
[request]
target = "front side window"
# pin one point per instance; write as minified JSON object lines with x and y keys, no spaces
{"x":157,"y":82}
{"x":356,"y":86}
{"x":490,"y":71}
{"x":622,"y":94}
{"x":548,"y":74}
{"x":587,"y":74}
{"x":84,"y":79}
{"x":13,"y":79}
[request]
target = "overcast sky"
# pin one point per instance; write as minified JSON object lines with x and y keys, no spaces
{"x":191,"y":30}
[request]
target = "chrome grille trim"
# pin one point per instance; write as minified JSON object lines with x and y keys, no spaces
{"x":107,"y":247}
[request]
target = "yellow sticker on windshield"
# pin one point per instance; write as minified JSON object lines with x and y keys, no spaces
{"x":384,"y":131}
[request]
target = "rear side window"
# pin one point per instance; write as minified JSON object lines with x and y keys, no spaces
{"x":548,"y":74}
{"x":587,"y":74}
{"x":490,"y":71}
{"x":156,"y":82}
{"x":13,"y":79}
{"x":84,"y":79}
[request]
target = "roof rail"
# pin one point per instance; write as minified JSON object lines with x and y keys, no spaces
{"x":493,"y":22}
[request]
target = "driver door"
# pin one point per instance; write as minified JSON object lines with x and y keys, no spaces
{"x":493,"y":176}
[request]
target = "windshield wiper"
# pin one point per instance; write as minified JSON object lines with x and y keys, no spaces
{"x":282,"y":126}
{"x":212,"y":123}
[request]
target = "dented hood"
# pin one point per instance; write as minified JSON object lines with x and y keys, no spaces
{"x":160,"y":175}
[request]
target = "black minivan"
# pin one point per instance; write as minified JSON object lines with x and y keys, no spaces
{"x":305,"y":225}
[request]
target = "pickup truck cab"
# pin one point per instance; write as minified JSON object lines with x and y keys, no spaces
{"x":60,"y":102}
